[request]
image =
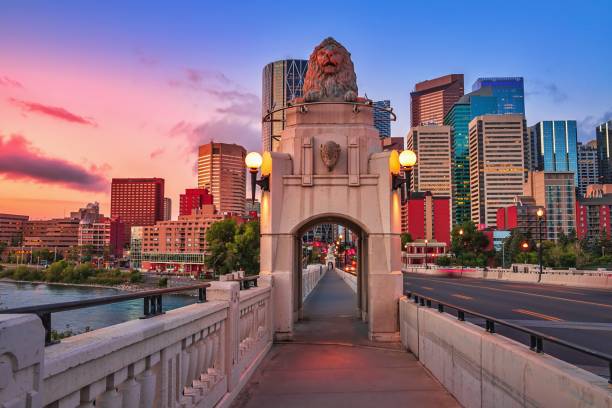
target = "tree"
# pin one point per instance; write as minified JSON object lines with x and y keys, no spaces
{"x":406,"y":238}
{"x":245,"y":248}
{"x":469,"y":248}
{"x":219,"y":239}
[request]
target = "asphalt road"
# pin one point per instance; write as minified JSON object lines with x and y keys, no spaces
{"x":578,"y":315}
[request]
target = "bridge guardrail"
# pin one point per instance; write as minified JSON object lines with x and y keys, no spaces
{"x":536,"y":338}
{"x":152,"y":305}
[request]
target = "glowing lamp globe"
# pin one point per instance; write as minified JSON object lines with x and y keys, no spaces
{"x":407,"y":158}
{"x":540,"y":212}
{"x":253,"y":160}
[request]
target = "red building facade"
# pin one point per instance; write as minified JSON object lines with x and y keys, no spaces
{"x":137,"y":201}
{"x":428,"y":217}
{"x":194,"y":198}
{"x":432,"y":99}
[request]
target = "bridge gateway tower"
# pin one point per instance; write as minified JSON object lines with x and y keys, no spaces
{"x":330,"y":167}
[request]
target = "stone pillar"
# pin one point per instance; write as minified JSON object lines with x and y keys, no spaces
{"x":229,"y":292}
{"x":22,"y":348}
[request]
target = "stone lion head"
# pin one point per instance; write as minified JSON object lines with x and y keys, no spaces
{"x":331,"y":74}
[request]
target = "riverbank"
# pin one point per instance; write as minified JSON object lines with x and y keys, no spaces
{"x":121,"y":287}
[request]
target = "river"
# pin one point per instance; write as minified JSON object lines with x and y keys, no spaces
{"x":28,"y":294}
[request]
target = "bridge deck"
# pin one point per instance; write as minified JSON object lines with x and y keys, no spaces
{"x":331,"y":363}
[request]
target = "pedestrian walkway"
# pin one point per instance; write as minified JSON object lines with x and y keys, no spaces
{"x":331,"y":363}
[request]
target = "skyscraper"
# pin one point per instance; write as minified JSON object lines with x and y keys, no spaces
{"x":432,"y":171}
{"x":497,"y":169}
{"x":588,"y":171}
{"x":222,"y":171}
{"x":282,"y":81}
{"x":432,"y":99}
{"x":382,"y":119}
{"x":137,"y":201}
{"x":486,"y":99}
{"x":508,"y":91}
{"x":167,"y":209}
{"x":555,"y":143}
{"x":604,"y":150}
{"x":194,"y":198}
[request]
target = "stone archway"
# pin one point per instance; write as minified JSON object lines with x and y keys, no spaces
{"x":361,"y":304}
{"x":330,"y":163}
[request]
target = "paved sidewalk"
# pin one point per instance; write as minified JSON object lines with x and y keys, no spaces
{"x":332,"y":363}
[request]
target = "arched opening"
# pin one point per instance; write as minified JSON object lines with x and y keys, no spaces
{"x":347,"y":241}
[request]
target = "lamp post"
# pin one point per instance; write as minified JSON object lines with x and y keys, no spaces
{"x":426,"y":267}
{"x":405,"y":161}
{"x":540,"y":214}
{"x":461,"y":238}
{"x":253,"y":162}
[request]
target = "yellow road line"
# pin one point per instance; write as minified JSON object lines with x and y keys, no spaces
{"x":585,"y":302}
{"x":538,"y":315}
{"x":462,"y":296}
{"x":427,"y":288}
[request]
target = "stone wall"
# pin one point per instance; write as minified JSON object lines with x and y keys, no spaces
{"x":348,"y":278}
{"x":199,"y":355}
{"x":311,"y":277}
{"x":482,"y":369}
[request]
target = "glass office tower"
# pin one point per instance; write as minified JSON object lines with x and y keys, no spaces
{"x":509,"y":91}
{"x":604,"y":146}
{"x":556,"y":143}
{"x":282,"y":81}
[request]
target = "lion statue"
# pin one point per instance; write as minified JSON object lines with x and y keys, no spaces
{"x":331,"y":75}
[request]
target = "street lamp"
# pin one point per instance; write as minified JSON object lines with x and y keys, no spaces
{"x":403,"y":161}
{"x":461,"y":237}
{"x":426,"y":267}
{"x":540,"y":214}
{"x":254,"y":161}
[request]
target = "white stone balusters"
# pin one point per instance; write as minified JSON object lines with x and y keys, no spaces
{"x":147,"y":381}
{"x":130,"y":390}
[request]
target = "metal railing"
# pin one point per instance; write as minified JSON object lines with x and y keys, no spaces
{"x":152,"y":305}
{"x":248,"y":282}
{"x":536,"y":339}
{"x":303,"y":107}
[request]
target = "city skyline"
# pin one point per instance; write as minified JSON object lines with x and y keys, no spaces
{"x":88,"y":99}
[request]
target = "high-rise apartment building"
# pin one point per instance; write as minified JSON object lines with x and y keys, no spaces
{"x":489,"y":98}
{"x":282,"y":81}
{"x":222,"y":171}
{"x":555,"y":143}
{"x":11,"y":229}
{"x":194,"y":198}
{"x":604,"y":150}
{"x":497,"y":164}
{"x":554,"y":191}
{"x":137,"y":201}
{"x":432,"y":171}
{"x":432,"y":99}
{"x":382,"y":118}
{"x":105,"y":235}
{"x":588,"y":170}
{"x":167,"y":208}
{"x":509,"y":93}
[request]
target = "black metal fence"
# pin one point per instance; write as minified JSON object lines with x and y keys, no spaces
{"x":536,"y":339}
{"x":152,"y":305}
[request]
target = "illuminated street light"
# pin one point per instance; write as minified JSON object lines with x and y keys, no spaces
{"x":253,"y":162}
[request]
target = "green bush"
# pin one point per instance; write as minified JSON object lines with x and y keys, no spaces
{"x":163,"y":282}
{"x":136,"y":277}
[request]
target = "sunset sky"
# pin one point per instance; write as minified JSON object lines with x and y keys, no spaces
{"x":95,"y":90}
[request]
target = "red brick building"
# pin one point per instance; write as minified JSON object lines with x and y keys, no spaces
{"x":194,"y":198}
{"x":137,"y":201}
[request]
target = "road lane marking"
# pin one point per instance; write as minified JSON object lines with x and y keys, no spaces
{"x":594,"y":326}
{"x":462,"y":296}
{"x":538,"y":315}
{"x":546,"y":288}
{"x":585,"y":302}
{"x":426,"y":288}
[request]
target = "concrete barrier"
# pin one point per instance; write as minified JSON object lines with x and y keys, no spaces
{"x":348,"y":278}
{"x":488,"y":370}
{"x":311,"y":277}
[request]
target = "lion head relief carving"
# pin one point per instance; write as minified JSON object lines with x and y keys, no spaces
{"x":331,"y":74}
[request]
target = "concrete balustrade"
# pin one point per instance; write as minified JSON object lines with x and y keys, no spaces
{"x":311,"y":277}
{"x":195,"y":356}
{"x":482,"y":369}
{"x":348,"y":278}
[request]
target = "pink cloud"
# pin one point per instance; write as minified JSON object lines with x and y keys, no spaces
{"x":157,"y":152}
{"x":19,"y":160}
{"x":6,"y":81}
{"x":53,"y":111}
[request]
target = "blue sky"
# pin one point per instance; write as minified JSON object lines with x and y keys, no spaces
{"x":561,"y":48}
